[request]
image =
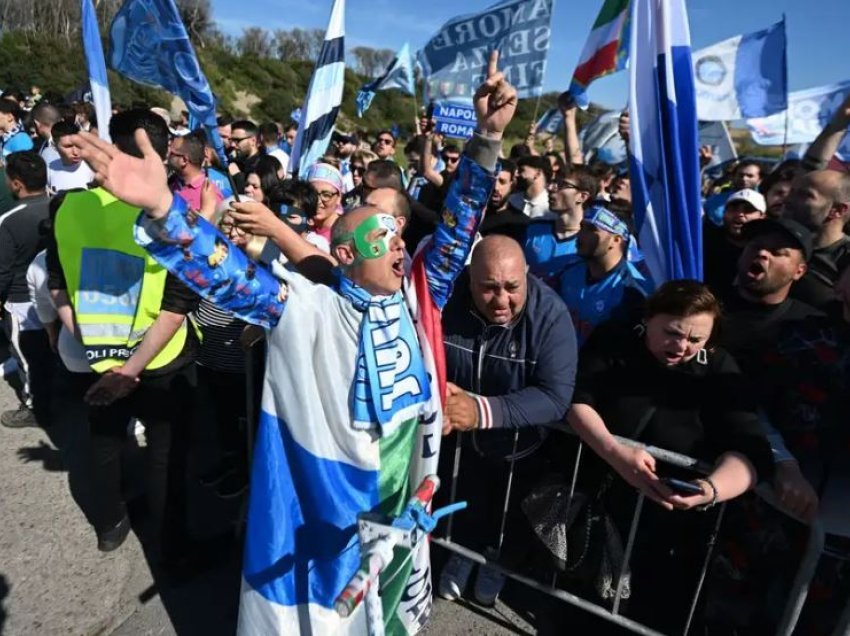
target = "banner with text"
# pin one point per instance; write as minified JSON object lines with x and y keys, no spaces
{"x":808,"y":112}
{"x":454,"y":120}
{"x":454,"y":61}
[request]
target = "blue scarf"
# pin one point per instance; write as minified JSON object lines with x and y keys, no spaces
{"x":390,"y":374}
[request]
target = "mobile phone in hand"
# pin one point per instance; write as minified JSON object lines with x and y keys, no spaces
{"x":685,"y":488}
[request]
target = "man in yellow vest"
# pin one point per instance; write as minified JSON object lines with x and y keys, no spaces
{"x":131,"y":317}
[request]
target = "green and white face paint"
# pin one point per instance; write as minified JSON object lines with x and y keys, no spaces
{"x":373,"y":236}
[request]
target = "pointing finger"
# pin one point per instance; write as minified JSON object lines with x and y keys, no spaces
{"x":493,"y":63}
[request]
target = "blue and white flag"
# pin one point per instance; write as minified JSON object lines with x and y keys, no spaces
{"x":808,"y":112}
{"x":324,"y":96}
{"x":454,"y":61}
{"x":96,"y":64}
{"x":399,"y":74}
{"x":600,"y":139}
{"x":664,"y":148}
{"x":550,"y":122}
{"x":149,"y":44}
{"x":744,"y":76}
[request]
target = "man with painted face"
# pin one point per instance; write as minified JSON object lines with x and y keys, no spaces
{"x":603,"y":285}
{"x":351,"y":413}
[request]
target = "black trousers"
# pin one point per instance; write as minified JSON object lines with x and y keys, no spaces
{"x":228,"y":398}
{"x":41,"y":363}
{"x":164,"y":404}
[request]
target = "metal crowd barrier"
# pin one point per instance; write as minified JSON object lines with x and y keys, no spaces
{"x":797,"y":597}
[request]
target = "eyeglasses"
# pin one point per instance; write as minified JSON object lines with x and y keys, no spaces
{"x":562,"y":184}
{"x":236,"y":140}
{"x":386,"y":140}
{"x":451,"y":158}
{"x":327,"y":195}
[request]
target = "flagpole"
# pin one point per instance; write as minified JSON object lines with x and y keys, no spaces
{"x":785,"y":138}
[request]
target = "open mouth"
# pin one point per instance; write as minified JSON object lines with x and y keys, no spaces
{"x":398,"y":267}
{"x":756,"y":270}
{"x":671,"y":357}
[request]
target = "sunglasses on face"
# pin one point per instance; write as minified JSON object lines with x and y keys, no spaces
{"x":385,"y":140}
{"x":358,"y":170}
{"x":451,"y":159}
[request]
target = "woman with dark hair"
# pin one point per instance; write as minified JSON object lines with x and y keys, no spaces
{"x":559,"y":166}
{"x":666,"y":385}
{"x":263,"y":179}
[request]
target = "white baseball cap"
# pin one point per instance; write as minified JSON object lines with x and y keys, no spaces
{"x":752,"y":197}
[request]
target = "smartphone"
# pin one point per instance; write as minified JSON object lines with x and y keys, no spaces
{"x":682,"y":487}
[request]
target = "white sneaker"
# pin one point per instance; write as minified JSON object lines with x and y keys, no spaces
{"x":454,"y":577}
{"x":488,"y":584}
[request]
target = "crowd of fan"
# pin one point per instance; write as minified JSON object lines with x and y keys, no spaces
{"x":556,"y":319}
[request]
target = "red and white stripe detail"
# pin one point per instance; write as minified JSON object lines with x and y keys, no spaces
{"x":485,"y":411}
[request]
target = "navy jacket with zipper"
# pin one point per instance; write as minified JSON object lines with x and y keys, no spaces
{"x":522,"y":374}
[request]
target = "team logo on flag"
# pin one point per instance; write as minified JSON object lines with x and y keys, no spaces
{"x":711,"y":70}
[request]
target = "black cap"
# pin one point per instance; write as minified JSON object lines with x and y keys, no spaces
{"x":801,"y":234}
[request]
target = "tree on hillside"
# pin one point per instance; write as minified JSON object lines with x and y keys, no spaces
{"x":298,"y":44}
{"x":254,"y":42}
{"x":371,"y":62}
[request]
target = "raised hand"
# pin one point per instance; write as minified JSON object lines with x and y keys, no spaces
{"x":254,"y":218}
{"x":495,"y":101}
{"x":138,"y":182}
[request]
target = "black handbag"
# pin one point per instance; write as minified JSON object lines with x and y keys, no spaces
{"x":578,"y":534}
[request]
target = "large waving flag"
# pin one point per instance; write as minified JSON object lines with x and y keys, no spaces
{"x":149,"y":44}
{"x":606,"y":50}
{"x":97,"y":69}
{"x":324,"y":96}
{"x":664,"y":146}
{"x":744,"y":76}
{"x":399,"y":74}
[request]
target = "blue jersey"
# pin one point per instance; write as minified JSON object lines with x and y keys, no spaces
{"x":618,"y":296}
{"x":221,"y":182}
{"x":546,"y":254}
{"x":16,"y":142}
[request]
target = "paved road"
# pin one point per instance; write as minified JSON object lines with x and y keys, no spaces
{"x":54,"y":581}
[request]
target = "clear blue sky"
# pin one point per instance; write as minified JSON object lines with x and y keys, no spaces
{"x":817,"y":30}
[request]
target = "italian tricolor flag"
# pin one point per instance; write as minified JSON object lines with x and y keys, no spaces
{"x":606,"y":50}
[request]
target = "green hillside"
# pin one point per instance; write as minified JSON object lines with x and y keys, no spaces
{"x":257,"y":87}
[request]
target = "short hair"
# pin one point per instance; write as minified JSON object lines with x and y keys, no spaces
{"x":507,"y":166}
{"x":193,"y":146}
{"x":601,"y":170}
{"x":123,"y":127}
{"x":290,"y":126}
{"x":62,"y":129}
{"x":842,"y":193}
{"x":223,"y":120}
{"x":386,"y":173}
{"x":450,"y":147}
{"x":385,"y":132}
{"x":518,"y":151}
{"x":269,"y":130}
{"x":363,"y":156}
{"x":9,"y":107}
{"x":294,"y":192}
{"x":247,"y":125}
{"x":750,"y":162}
{"x":29,"y":168}
{"x":46,"y":113}
{"x":331,"y":161}
{"x":401,"y":204}
{"x":417,"y":145}
{"x":683,"y":298}
{"x":586,"y":182}
{"x":537,"y":163}
{"x":785,"y":172}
